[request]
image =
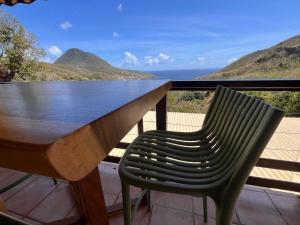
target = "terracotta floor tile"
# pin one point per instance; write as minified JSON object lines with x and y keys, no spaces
{"x":8,"y":194}
{"x":111,"y":168}
{"x":110,"y":181}
{"x":289,"y":208}
{"x":116,"y":219}
{"x":110,"y":199}
{"x":32,"y":222}
{"x":211,"y":209}
{"x":73,"y":212}
{"x":23,"y":202}
{"x":174,"y":201}
{"x":14,"y":215}
{"x":38,"y":196}
{"x":253,"y":188}
{"x":55,"y":206}
{"x":255,"y":208}
{"x":7,"y":177}
{"x":282,"y":192}
{"x":162,"y":216}
{"x":134,"y":193}
{"x":110,"y":184}
{"x":198,"y":220}
{"x":198,"y":207}
{"x":102,"y":166}
{"x":142,"y":218}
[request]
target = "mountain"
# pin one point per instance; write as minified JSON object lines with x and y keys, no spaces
{"x":82,"y":60}
{"x":76,"y":64}
{"x":279,"y":61}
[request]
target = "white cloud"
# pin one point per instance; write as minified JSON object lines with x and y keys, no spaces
{"x":120,"y":8}
{"x":200,"y":59}
{"x":232,"y":60}
{"x":130,"y":58}
{"x":162,"y":57}
{"x":115,"y":35}
{"x":66,"y":25}
{"x":55,"y":51}
{"x":153,"y":60}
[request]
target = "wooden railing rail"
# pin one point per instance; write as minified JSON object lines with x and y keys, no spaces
{"x":241,"y":85}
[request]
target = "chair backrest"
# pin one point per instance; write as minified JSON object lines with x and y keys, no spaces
{"x":238,"y":128}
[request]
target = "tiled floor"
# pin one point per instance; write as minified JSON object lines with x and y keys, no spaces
{"x":39,"y":201}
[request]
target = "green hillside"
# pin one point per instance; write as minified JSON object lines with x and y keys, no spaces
{"x":279,"y":61}
{"x":76,"y":64}
{"x":83,"y":60}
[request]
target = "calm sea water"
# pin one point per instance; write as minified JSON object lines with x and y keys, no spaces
{"x":181,"y":74}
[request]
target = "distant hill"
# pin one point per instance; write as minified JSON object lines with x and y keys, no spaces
{"x":82,"y":60}
{"x":76,"y":64}
{"x":279,"y":61}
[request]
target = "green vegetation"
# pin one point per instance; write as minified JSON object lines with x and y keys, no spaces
{"x":198,"y":102}
{"x":188,"y":101}
{"x":288,"y":101}
{"x":18,"y":52}
{"x":84,"y":60}
{"x":279,"y":61}
{"x":59,"y":72}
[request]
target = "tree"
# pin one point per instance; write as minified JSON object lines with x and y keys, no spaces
{"x":19,"y":54}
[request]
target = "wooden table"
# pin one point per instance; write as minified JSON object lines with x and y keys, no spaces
{"x":64,"y":129}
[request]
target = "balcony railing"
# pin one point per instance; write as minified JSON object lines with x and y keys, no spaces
{"x":241,"y":85}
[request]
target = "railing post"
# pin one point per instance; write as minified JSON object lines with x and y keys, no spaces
{"x":161,"y":114}
{"x":140,"y":127}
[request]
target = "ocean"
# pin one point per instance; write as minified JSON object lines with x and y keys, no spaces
{"x":181,"y":74}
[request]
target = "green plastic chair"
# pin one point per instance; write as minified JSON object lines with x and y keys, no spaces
{"x":214,"y":161}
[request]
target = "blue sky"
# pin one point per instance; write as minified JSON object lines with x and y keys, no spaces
{"x":160,"y":34}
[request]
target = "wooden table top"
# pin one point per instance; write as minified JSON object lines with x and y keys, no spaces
{"x":46,"y":117}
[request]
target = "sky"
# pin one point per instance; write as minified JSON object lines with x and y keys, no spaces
{"x":160,"y":34}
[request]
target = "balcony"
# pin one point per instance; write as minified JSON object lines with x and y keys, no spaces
{"x":270,"y":197}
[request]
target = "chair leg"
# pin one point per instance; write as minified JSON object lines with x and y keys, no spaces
{"x":149,"y":200}
{"x":205,"y":208}
{"x":224,"y":213}
{"x":54,"y":181}
{"x":126,"y":203}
